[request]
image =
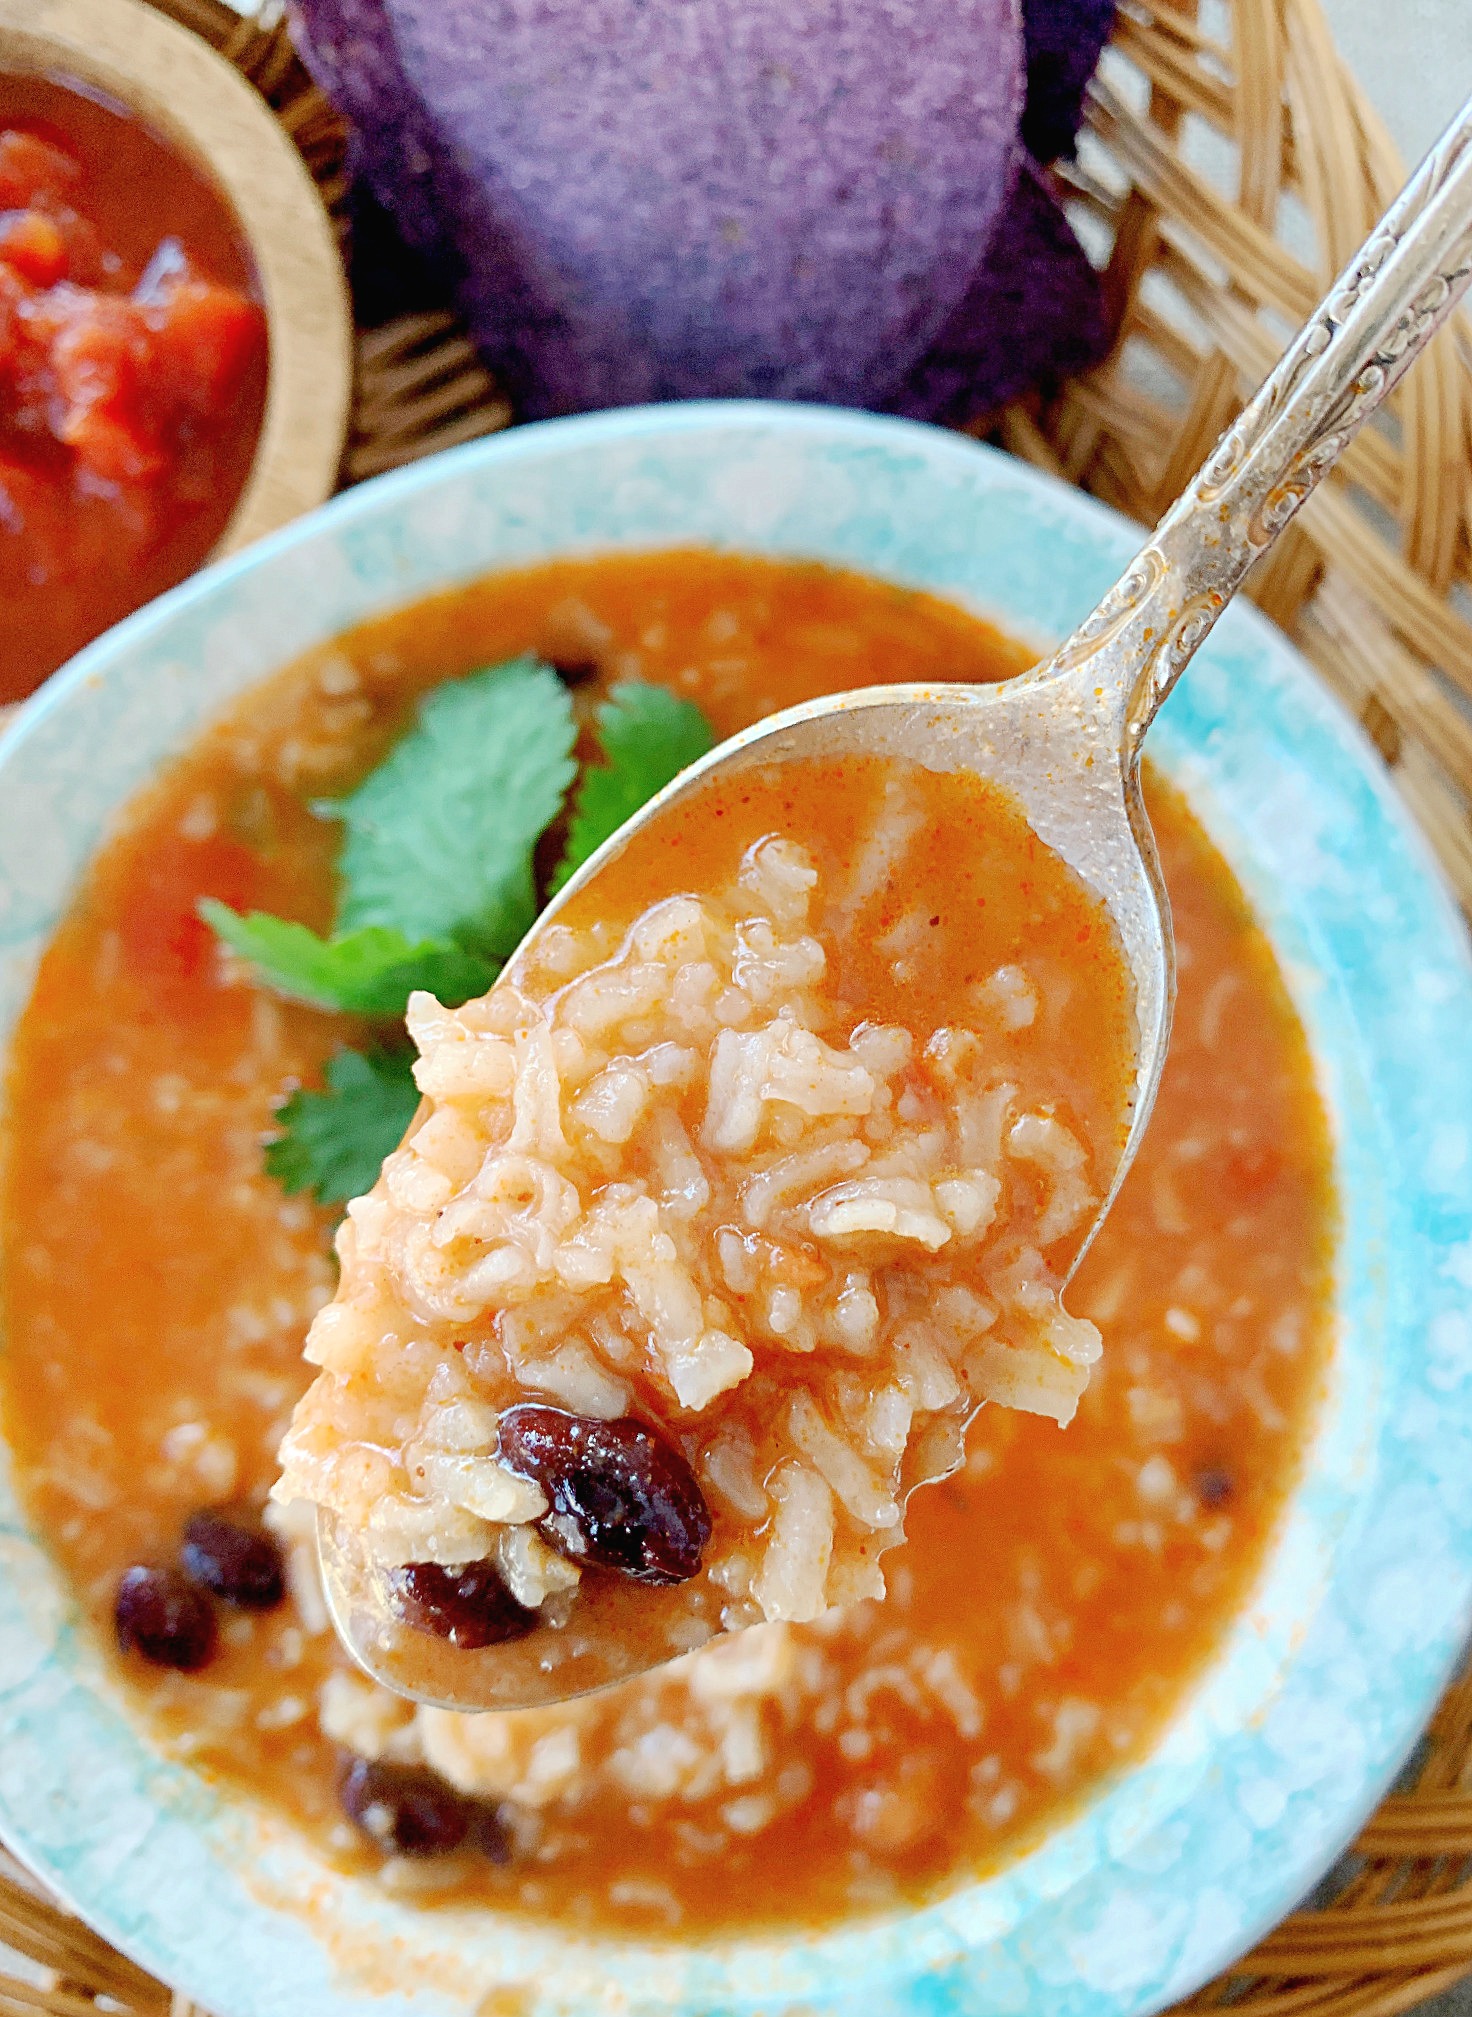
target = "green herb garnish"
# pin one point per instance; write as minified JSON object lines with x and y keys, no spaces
{"x":440,"y":837}
{"x":368,"y":972}
{"x":333,"y":1143}
{"x":436,"y":888}
{"x":648,"y":736}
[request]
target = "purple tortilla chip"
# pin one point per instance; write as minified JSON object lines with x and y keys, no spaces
{"x":693,"y":198}
{"x":1034,"y":312}
{"x":1064,"y":39}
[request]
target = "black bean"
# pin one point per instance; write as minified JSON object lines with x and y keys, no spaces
{"x":406,"y":1809}
{"x":491,"y":1831}
{"x":237,"y":1561}
{"x":470,"y":1607}
{"x":621,"y":1497}
{"x":162,"y":1615}
{"x":1213,"y":1487}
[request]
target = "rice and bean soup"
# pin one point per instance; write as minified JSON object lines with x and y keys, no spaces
{"x":1056,"y":1593}
{"x":723,"y":1213}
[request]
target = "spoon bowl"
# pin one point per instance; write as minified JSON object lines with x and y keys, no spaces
{"x":1063,"y":740}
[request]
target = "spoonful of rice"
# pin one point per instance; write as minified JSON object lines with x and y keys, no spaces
{"x":766,"y":1161}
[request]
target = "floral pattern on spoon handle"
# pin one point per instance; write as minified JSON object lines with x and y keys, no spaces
{"x":1391,"y":298}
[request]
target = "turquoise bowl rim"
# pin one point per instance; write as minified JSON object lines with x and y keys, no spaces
{"x":1306,"y":1711}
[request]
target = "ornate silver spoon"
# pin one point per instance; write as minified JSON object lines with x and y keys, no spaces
{"x":1065,"y":738}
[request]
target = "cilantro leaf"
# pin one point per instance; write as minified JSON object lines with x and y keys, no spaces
{"x":648,"y":736}
{"x":332,"y":1143}
{"x":440,"y":837}
{"x":369,"y":972}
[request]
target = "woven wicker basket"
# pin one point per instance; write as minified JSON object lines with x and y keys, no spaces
{"x":1230,"y":165}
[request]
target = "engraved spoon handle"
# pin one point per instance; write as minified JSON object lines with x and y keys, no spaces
{"x":1375,"y":320}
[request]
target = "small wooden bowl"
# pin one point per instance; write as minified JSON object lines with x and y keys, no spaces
{"x":201,"y":104}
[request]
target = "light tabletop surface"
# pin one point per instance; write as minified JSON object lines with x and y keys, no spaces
{"x":1413,"y":57}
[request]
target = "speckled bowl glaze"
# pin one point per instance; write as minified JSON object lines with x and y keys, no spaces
{"x":1312,"y":1701}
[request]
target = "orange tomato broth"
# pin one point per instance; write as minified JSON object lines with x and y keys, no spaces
{"x":989,"y":886}
{"x":158,"y":1284}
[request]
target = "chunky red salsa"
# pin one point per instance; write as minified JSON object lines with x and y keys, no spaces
{"x":132,"y":371}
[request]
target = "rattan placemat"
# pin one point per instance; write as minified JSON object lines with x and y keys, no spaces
{"x":1230,"y":165}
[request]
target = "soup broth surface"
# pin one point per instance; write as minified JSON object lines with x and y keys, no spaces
{"x":1055,"y":1598}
